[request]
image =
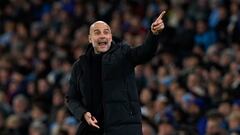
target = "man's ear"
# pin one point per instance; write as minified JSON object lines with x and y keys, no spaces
{"x":89,"y":39}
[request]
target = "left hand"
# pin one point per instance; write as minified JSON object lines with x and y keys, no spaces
{"x":91,"y":120}
{"x":158,"y":25}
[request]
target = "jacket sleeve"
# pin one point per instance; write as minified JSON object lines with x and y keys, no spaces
{"x":144,"y":52}
{"x":73,"y":96}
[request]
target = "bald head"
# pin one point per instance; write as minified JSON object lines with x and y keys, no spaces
{"x":97,"y":23}
{"x":100,"y":36}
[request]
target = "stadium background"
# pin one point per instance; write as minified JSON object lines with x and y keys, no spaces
{"x":191,"y":86}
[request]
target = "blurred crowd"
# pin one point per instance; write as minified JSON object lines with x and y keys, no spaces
{"x":191,"y":86}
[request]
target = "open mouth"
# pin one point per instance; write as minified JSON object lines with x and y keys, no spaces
{"x":102,"y":43}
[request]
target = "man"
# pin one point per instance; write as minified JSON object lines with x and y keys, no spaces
{"x":103,"y":93}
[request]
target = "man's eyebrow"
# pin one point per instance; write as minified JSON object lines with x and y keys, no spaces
{"x":96,"y":30}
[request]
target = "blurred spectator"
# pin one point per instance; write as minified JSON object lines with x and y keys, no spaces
{"x":215,"y":124}
{"x":233,"y":25}
{"x":147,"y":129}
{"x":13,"y":126}
{"x":234,"y":122}
{"x":161,"y":109}
{"x":204,"y":36}
{"x":165,"y":128}
{"x":5,"y":107}
{"x":37,"y":128}
{"x":20,"y":104}
{"x":146,"y":101}
{"x":62,"y":132}
{"x":57,"y":103}
{"x":21,"y":109}
{"x":2,"y":123}
{"x":8,"y":33}
{"x":70,"y":124}
{"x":57,"y":124}
{"x":39,"y":113}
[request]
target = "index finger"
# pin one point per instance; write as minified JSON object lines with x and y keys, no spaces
{"x":95,"y":125}
{"x":161,"y":15}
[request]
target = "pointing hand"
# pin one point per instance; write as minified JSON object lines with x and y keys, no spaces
{"x":158,"y":25}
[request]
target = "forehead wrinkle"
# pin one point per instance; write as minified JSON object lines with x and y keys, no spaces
{"x":98,"y":22}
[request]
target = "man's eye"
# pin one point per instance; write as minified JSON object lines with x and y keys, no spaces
{"x":97,"y":33}
{"x":106,"y":32}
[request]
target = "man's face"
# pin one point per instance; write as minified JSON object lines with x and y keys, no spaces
{"x":100,"y":36}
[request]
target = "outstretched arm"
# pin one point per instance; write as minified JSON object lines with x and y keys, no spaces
{"x":146,"y":51}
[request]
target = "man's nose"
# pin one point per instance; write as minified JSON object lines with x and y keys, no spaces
{"x":102,"y":36}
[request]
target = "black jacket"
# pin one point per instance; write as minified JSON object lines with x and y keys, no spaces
{"x":122,"y":115}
